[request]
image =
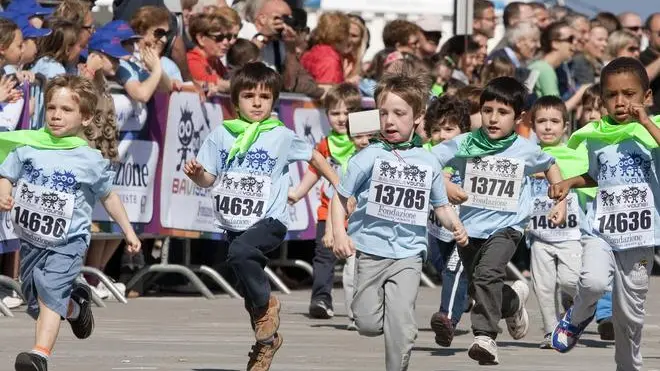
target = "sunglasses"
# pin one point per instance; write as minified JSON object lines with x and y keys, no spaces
{"x":90,"y":28}
{"x":634,"y":28}
{"x":569,"y":39}
{"x":632,"y":49}
{"x":222,"y":37}
{"x":159,"y":33}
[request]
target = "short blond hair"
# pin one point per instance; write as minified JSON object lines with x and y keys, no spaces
{"x":226,"y":13}
{"x":414,"y":89}
{"x":332,"y":28}
{"x":618,"y":40}
{"x":84,"y":91}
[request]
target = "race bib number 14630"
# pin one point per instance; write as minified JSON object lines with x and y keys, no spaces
{"x":400,"y":192}
{"x":494,"y":183}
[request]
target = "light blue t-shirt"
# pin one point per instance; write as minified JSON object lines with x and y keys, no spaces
{"x":480,"y":222}
{"x":269,"y":156}
{"x":81,"y":172}
{"x":628,"y":164}
{"x":131,"y":71}
{"x":49,"y":68}
{"x":381,"y":237}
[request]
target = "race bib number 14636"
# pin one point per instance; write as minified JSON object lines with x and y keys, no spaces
{"x":400,"y":192}
{"x":494,"y":183}
{"x":625,"y":216}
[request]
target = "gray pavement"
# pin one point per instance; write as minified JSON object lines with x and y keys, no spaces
{"x":196,"y":334}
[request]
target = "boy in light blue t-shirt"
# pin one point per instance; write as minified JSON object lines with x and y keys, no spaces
{"x":623,"y":157}
{"x":495,"y":165}
{"x":249,"y":157}
{"x":394,"y":181}
{"x":58,"y":179}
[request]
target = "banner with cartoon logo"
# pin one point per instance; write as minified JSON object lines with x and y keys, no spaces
{"x":184,"y":205}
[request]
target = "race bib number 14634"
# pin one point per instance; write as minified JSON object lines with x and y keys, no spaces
{"x":240,"y":200}
{"x":494,"y":183}
{"x":400,"y":192}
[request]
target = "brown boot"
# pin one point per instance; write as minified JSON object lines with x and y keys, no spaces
{"x":262,"y":355}
{"x":267,"y":320}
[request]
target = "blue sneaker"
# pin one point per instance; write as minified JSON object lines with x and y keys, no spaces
{"x":566,"y":335}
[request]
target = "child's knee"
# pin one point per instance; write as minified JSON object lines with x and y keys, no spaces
{"x":593,"y":283}
{"x":369,"y":325}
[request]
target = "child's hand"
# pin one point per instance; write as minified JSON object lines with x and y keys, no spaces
{"x":557,"y":214}
{"x":343,"y":247}
{"x":292,"y":197}
{"x":133,"y":243}
{"x":638,"y":111}
{"x":461,"y":236}
{"x":193,"y":169}
{"x":328,"y":240}
{"x":7,"y":92}
{"x":351,"y":204}
{"x":456,"y":194}
{"x":150,"y":59}
{"x":26,"y":76}
{"x":559,"y":191}
{"x":6,"y":202}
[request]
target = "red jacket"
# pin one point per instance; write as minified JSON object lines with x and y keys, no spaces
{"x":324,"y":63}
{"x":205,"y":69}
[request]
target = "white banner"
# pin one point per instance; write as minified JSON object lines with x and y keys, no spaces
{"x":445,"y":7}
{"x":184,"y":205}
{"x":131,"y":115}
{"x":134,"y":180}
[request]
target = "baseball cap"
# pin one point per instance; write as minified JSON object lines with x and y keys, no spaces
{"x":430,"y":23}
{"x":23,"y":22}
{"x":110,"y":46}
{"x":30,"y":8}
{"x":120,"y":29}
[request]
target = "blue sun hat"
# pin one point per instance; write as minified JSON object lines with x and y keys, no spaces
{"x":106,"y":42}
{"x":30,"y":8}
{"x":120,"y":29}
{"x":22,"y":20}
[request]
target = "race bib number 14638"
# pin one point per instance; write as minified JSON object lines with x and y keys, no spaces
{"x":400,"y":192}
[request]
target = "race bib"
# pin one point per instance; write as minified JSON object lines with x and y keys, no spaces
{"x":624,"y":216}
{"x":544,"y":229}
{"x":240,"y":200}
{"x":437,"y":230}
{"x":400,"y":192}
{"x":42,"y":216}
{"x":494,"y":183}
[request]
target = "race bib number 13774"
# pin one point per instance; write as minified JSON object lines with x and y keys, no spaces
{"x":494,"y":183}
{"x":400,"y":192}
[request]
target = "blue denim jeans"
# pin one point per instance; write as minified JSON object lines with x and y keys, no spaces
{"x":604,"y":307}
{"x":453,"y":296}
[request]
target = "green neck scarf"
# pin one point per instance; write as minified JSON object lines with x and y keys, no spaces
{"x":437,"y":90}
{"x":247,"y":133}
{"x":41,"y":139}
{"x":341,"y":147}
{"x":415,"y":142}
{"x":477,"y":144}
{"x":609,"y":131}
{"x":427,"y":146}
{"x":573,"y":162}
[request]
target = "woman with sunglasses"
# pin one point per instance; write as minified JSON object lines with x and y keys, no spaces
{"x":212,"y":37}
{"x":148,"y":70}
{"x":558,"y":45}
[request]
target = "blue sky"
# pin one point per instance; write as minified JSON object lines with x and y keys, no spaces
{"x":642,"y":7}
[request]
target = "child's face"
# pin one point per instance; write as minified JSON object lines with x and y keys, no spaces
{"x":443,"y":74}
{"x":621,"y":90}
{"x":589,"y":114}
{"x":255,"y":104}
{"x":361,"y":141}
{"x":397,"y":119}
{"x":549,"y":126}
{"x":29,"y":51}
{"x":338,"y":117}
{"x":63,"y":115}
{"x":14,"y":52}
{"x":110,"y":65}
{"x":444,"y":131}
{"x":498,"y":119}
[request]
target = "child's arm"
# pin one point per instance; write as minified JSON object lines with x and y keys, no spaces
{"x":455,"y":193}
{"x":328,"y":238}
{"x":114,"y":207}
{"x":639,"y":111}
{"x":6,"y":199}
{"x":307,"y":182}
{"x":448,"y":218}
{"x":558,"y":212}
{"x":560,"y":190}
{"x":343,"y":246}
{"x":322,"y":166}
{"x":195,"y":171}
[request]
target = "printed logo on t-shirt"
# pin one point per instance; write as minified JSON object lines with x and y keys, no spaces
{"x":255,"y":161}
{"x":631,"y":167}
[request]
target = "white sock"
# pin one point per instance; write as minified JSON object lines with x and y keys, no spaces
{"x":74,"y":309}
{"x":40,"y":353}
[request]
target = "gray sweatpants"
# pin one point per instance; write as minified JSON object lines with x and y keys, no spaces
{"x":384,"y":303}
{"x":629,"y":272}
{"x":554,"y":265}
{"x":348,"y":282}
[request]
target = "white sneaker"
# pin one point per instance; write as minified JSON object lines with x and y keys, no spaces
{"x":120,"y":287}
{"x":484,"y":350}
{"x":12,"y":301}
{"x":518,"y":324}
{"x":100,"y":291}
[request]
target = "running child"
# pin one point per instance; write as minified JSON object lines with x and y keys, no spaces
{"x":394,"y":181}
{"x":250,"y":158}
{"x":337,"y":148}
{"x":445,"y":118}
{"x":495,"y":164}
{"x":58,"y":178}
{"x":622,"y":151}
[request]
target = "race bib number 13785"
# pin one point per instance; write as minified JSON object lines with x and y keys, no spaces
{"x":400,"y":192}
